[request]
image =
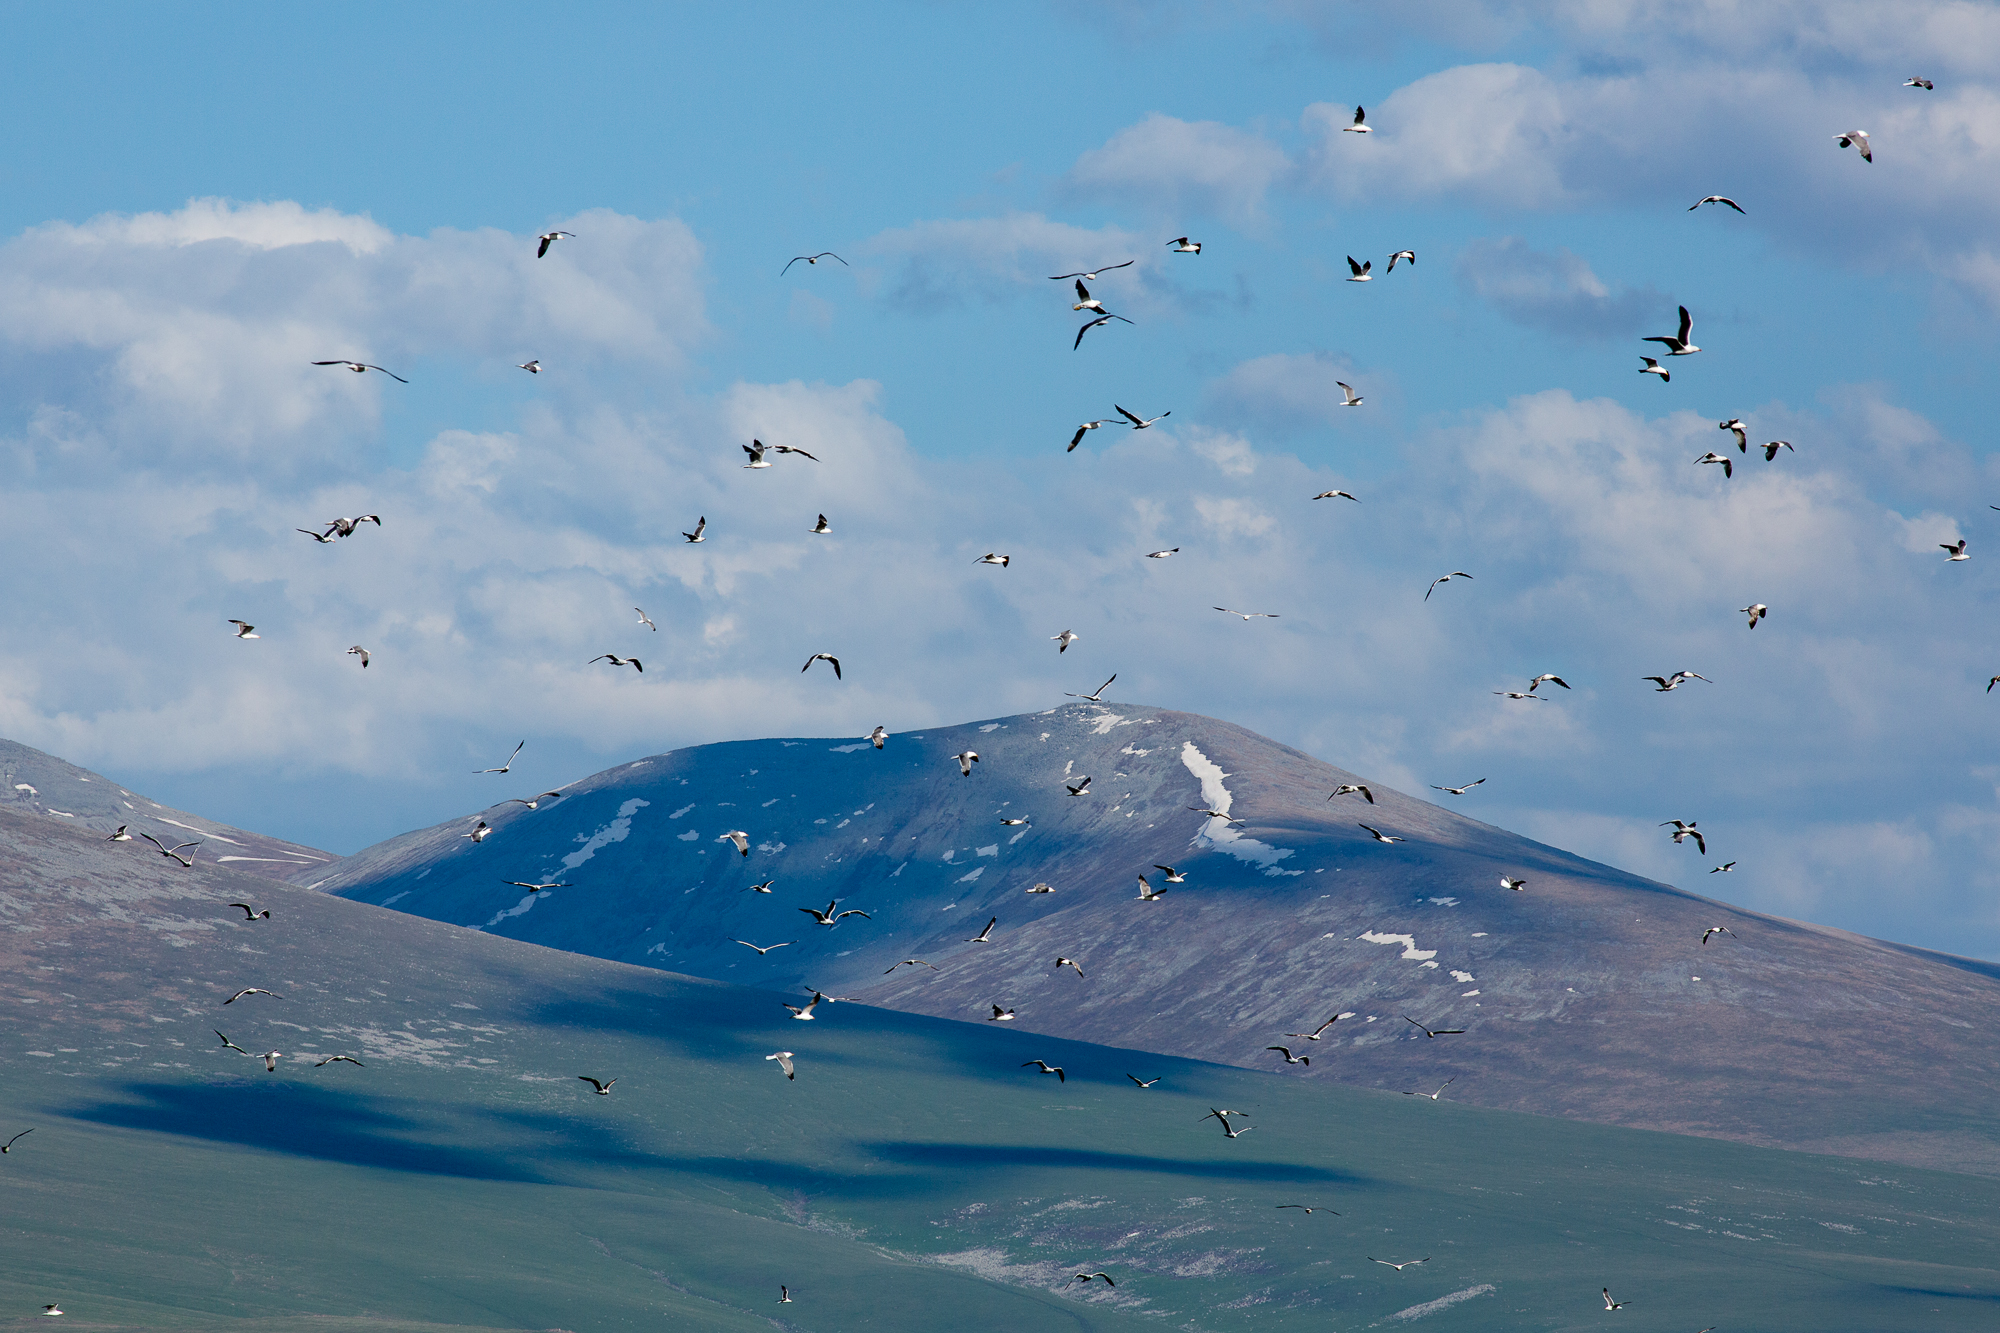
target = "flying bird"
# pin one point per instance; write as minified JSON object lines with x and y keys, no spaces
{"x":347,"y":527}
{"x":907,"y":962}
{"x":1085,"y":301}
{"x":822,"y":657}
{"x":1610,"y":1304}
{"x":532,"y":367}
{"x":1069,"y":963}
{"x":173,"y":852}
{"x":1380,"y":836}
{"x":878,"y":736}
{"x":1407,"y":1263}
{"x":1360,"y":272}
{"x":270,"y":1059}
{"x":790,"y":449}
{"x":1222,"y":815}
{"x":1144,"y":1082}
{"x":700,"y":527}
{"x":1547,"y":678}
{"x":1162,"y":555}
{"x":1771,"y":449}
{"x":1444,"y":578}
{"x":994,"y":558}
{"x":549,"y":238}
{"x":1001,"y":1015}
{"x":120,"y":836}
{"x":358,"y":651}
{"x":1066,"y":638}
{"x":830,"y":917}
{"x":1249,"y":615}
{"x":965,"y":762}
{"x":1724,"y":867}
{"x":338,"y":1059}
{"x":763,"y":949}
{"x":1433,"y":1032}
{"x":51,"y":1309}
{"x":360,"y":367}
{"x":1360,"y":125}
{"x":1956,"y":548}
{"x":1307,"y":1210}
{"x":1337,"y":495}
{"x":1515,"y":884}
{"x":784,"y":1059}
{"x":740,"y":838}
{"x":1173,"y":876}
{"x":1078,"y":788}
{"x":1433,"y":1096}
{"x":535,"y":888}
{"x":647,"y":620}
{"x":504,"y":767}
{"x":1182,"y":246}
{"x":1092,"y":275}
{"x":985,"y":933}
{"x":1086,"y":1277}
{"x":1530,"y":696}
{"x":1410,"y":255}
{"x":252,"y":990}
{"x":1679,"y":344}
{"x":1016,"y":823}
{"x":821,"y":528}
{"x":756,"y":449}
{"x":1101,"y":319}
{"x":245,"y":630}
{"x":1675,"y":681}
{"x":1856,"y":139}
{"x":1290,"y":1059}
{"x":227,"y":1042}
{"x":1047,"y":1068}
{"x":1097,"y":696}
{"x":1230,"y":1131}
{"x":1756,"y":611}
{"x":812,"y":259}
{"x":602,"y":1089}
{"x":1457,"y":791}
{"x":1728,"y":468}
{"x":1077,"y":438}
{"x":1223,"y":1116}
{"x":1716,"y":199}
{"x":251,"y":914}
{"x":324,"y":539}
{"x":1735,"y":424}
{"x":1147,"y":893}
{"x":804,"y":1012}
{"x":1684,"y":830}
{"x":1653,"y":367}
{"x":1353,"y":789}
{"x":8,"y":1146}
{"x":1140,"y":423}
{"x":1924,"y":84}
{"x":1316,"y":1033}
{"x":480,"y":833}
{"x":618,"y":661}
{"x":784,"y":1292}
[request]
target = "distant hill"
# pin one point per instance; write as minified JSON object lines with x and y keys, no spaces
{"x":914,"y":1173}
{"x":1589,"y":994}
{"x":37,"y":784}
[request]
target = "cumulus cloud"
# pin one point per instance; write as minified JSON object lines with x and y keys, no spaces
{"x":1286,"y":392}
{"x":1553,"y":290}
{"x":941,"y":264}
{"x":1171,"y":167}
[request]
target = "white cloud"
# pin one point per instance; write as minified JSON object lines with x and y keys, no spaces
{"x":1170,"y":167}
{"x":1554,"y":290}
{"x":944,"y":263}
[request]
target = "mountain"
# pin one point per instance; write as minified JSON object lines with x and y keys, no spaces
{"x":1589,"y":994}
{"x":914,"y":1172}
{"x":41,"y":785}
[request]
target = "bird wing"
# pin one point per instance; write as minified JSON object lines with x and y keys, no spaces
{"x":1687,"y":326}
{"x":1356,"y":268}
{"x":1128,"y":416}
{"x":1077,"y":438}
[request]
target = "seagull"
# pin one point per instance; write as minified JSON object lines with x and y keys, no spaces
{"x":252,"y":990}
{"x":756,"y":449}
{"x":1444,"y":578}
{"x":245,"y":630}
{"x":51,"y":1309}
{"x":1085,"y":1277}
{"x":1077,"y":438}
{"x":251,"y":914}
{"x":985,"y":932}
{"x":1001,"y":1015}
{"x":1096,"y":697}
{"x":359,"y":367}
{"x":907,"y":962}
{"x":321,"y":538}
{"x":8,"y":1146}
{"x":830,"y":917}
{"x":603,"y":1089}
{"x":1066,"y":638}
{"x":1683,"y":830}
{"x":822,"y":657}
{"x":1085,"y":301}
{"x":227,"y":1042}
{"x":174,"y":851}
{"x":532,"y":367}
{"x":1547,"y":678}
{"x":1137,"y":423}
{"x":1173,"y":876}
{"x":1924,"y":84}
{"x":1956,"y":548}
{"x":1223,"y":1116}
{"x":784,"y":1292}
{"x":804,"y":1013}
{"x":1433,"y":1096}
{"x":347,"y":527}
{"x":994,"y":558}
{"x":271,"y":1059}
{"x":1360,"y":271}
{"x":784,"y":1059}
{"x":1728,"y":468}
{"x":1360,"y":125}
{"x":1222,"y":815}
{"x":1756,"y":611}
{"x":1290,"y":1059}
{"x":1410,"y":255}
{"x":549,"y":238}
{"x":700,"y":527}
{"x":1183,"y":246}
{"x":1610,"y":1304}
{"x":1144,"y":1082}
{"x":1015,"y":823}
{"x":1162,"y":555}
{"x":878,"y":736}
{"x":535,"y":888}
{"x":1233,"y":1133}
{"x":1675,"y":681}
{"x":1716,"y":199}
{"x":1353,"y":399}
{"x":1314,"y":1035}
{"x":1078,"y":788}
{"x":1433,"y":1032}
{"x":1856,"y":139}
{"x":1101,"y":319}
{"x":1147,"y":893}
{"x":1678,"y":344}
{"x":480,"y":833}
{"x":337,"y":1059}
{"x":1653,"y":367}
{"x":1771,"y":449}
{"x":1353,"y":789}
{"x":821,"y":528}
{"x":1515,"y":884}
{"x":1718,"y":930}
{"x":1725,"y":866}
{"x":1307,"y":1210}
{"x":1407,"y":1263}
{"x":740,"y":838}
{"x":504,"y":767}
{"x":358,"y":651}
{"x":812,"y":259}
{"x":1736,"y":424}
{"x":1381,"y":837}
{"x":965,"y":762}
{"x":789,"y":449}
{"x":618,"y":661}
{"x":121,"y":835}
{"x":1530,"y":696}
{"x":1337,"y":495}
{"x":1249,"y":615}
{"x":763,"y":949}
{"x":1456,"y":791}
{"x":1048,"y":1068}
{"x":646,"y":620}
{"x":765,"y":887}
{"x":1069,"y":963}
{"x":1092,"y":276}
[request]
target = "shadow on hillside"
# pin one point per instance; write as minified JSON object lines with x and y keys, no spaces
{"x":986,"y":1156}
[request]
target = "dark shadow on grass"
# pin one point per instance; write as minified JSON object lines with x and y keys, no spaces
{"x":987,"y":1156}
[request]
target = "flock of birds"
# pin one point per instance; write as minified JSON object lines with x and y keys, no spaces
{"x":1679,"y":343}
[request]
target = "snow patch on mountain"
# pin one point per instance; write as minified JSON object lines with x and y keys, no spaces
{"x":617,"y":830}
{"x":1226,"y":839}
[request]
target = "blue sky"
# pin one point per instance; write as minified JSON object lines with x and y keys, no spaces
{"x":195,"y":208}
